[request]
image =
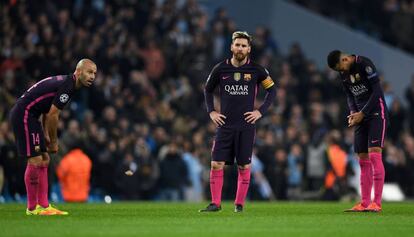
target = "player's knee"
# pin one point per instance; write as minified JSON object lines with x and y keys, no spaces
{"x":215,"y":165}
{"x":375,"y":150}
{"x":36,"y":160}
{"x":363,"y":156}
{"x":244,"y":167}
{"x":45,"y":158}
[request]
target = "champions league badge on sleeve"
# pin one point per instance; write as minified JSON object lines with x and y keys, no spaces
{"x":64,"y":98}
{"x":369,"y":70}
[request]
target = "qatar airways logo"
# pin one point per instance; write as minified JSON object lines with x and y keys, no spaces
{"x":358,"y":89}
{"x":237,"y":89}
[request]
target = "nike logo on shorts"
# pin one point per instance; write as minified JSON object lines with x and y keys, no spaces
{"x":374,"y":141}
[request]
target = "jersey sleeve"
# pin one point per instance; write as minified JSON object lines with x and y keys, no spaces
{"x":264,"y":78}
{"x":350,"y":100}
{"x":268,"y":84}
{"x":64,"y":94}
{"x":368,"y":69}
{"x":212,"y":81}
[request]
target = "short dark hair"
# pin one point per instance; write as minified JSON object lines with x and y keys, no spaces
{"x":242,"y":35}
{"x":333,"y":58}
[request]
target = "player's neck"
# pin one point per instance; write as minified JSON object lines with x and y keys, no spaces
{"x":238,"y":63}
{"x":77,"y":81}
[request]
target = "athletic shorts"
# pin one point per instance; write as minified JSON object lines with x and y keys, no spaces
{"x":230,"y":145}
{"x":370,"y":133}
{"x":28,"y":132}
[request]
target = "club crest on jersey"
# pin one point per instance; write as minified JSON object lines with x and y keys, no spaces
{"x":247,"y":77}
{"x":64,"y":98}
{"x":355,"y":78}
{"x":237,"y":76}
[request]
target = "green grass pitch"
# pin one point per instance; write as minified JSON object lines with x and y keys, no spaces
{"x":183,"y":219}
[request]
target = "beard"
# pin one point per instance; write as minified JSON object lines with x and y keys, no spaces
{"x":240,"y":56}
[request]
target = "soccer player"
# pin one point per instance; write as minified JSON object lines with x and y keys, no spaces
{"x":238,"y":79}
{"x":34,"y":119}
{"x":369,"y":115}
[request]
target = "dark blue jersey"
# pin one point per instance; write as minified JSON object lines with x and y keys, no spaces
{"x":238,"y":88}
{"x":56,"y":90}
{"x":363,"y":90}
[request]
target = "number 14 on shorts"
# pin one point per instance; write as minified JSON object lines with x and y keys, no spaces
{"x":35,"y":138}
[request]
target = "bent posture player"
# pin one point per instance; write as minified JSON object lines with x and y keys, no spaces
{"x":35,"y":138}
{"x":238,"y":79}
{"x":369,"y":116}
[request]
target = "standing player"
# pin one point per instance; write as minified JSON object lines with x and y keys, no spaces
{"x":35,"y":138}
{"x":369,"y":116}
{"x":238,"y":79}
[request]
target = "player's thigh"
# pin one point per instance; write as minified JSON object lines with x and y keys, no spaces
{"x":29,"y":135}
{"x":361,"y":138}
{"x":245,"y":146}
{"x":376,"y":132}
{"x":222,"y":149}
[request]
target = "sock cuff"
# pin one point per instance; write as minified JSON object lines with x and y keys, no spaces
{"x":244,"y":170}
{"x":217,"y":173}
{"x":375,"y":155}
{"x":32,"y":166}
{"x":364,"y":161}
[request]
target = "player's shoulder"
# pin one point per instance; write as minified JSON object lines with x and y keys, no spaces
{"x":364,"y":61}
{"x":259,"y":68}
{"x":223,"y":64}
{"x":254,"y":64}
{"x":59,"y":78}
{"x":365,"y":66}
{"x":67,"y":81}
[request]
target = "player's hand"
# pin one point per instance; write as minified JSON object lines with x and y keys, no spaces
{"x":217,"y":118}
{"x":52,"y":147}
{"x":350,"y":121}
{"x":355,"y":118}
{"x":252,"y":117}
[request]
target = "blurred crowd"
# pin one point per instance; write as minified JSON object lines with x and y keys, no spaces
{"x":145,"y":112}
{"x":391,"y":21}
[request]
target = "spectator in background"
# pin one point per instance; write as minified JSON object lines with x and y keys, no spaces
{"x":194,"y":191}
{"x":74,"y":172}
{"x":397,"y":118}
{"x":259,"y":181}
{"x":295,"y":171}
{"x":409,"y":95}
{"x":335,"y":179}
{"x":128,"y":184}
{"x":148,"y":170}
{"x":173,"y":175}
{"x":280,"y":174}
